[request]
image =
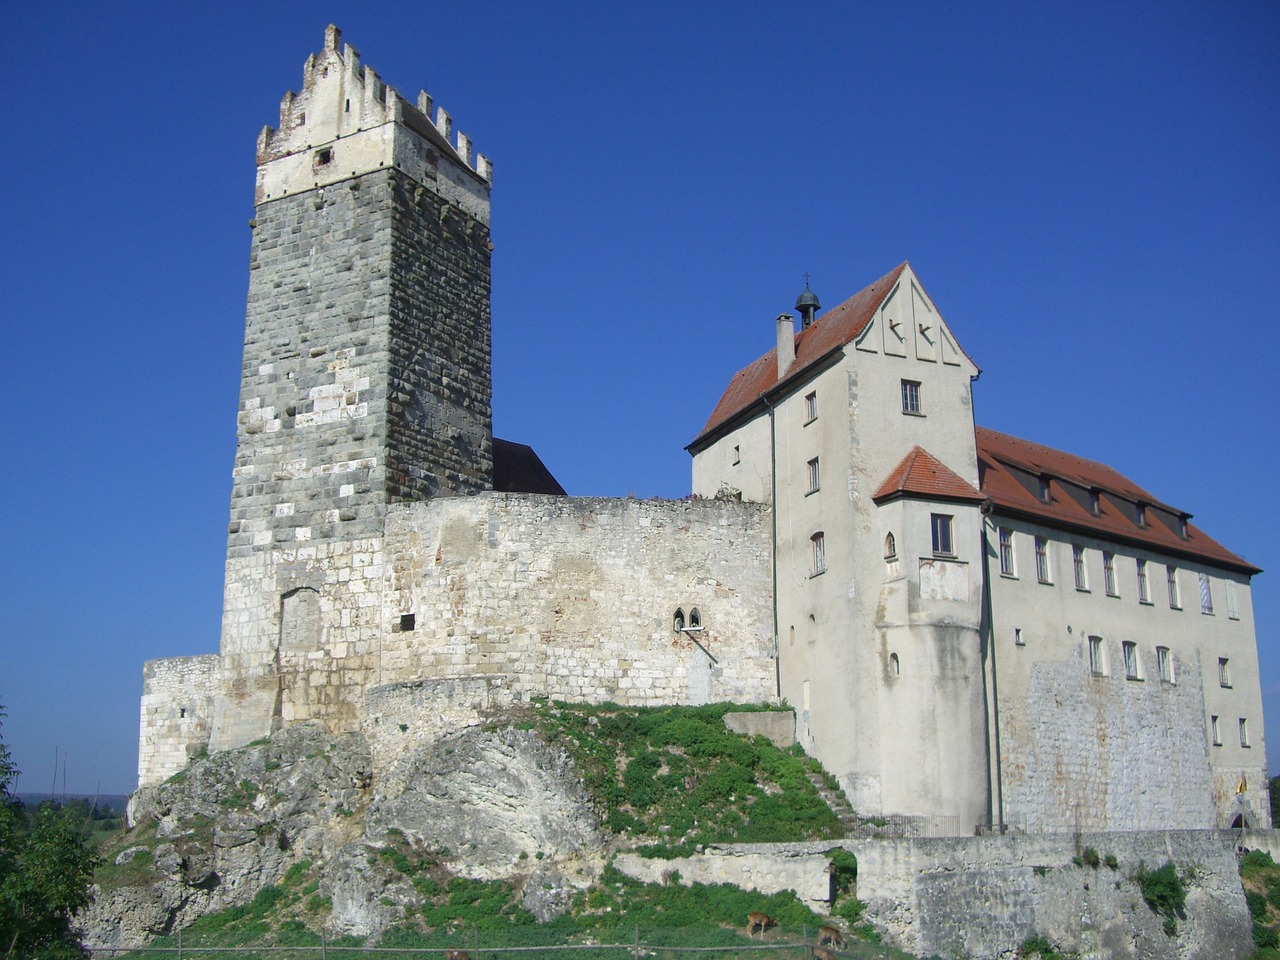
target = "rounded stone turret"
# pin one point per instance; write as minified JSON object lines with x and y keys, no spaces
{"x":807,"y":306}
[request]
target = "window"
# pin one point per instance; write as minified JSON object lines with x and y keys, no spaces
{"x":1042,"y":560}
{"x":1095,"y":503}
{"x":895,"y":668}
{"x":941,"y":524}
{"x":1215,"y":732}
{"x":1046,"y":491}
{"x":695,"y":619}
{"x":1224,"y":672}
{"x":1233,"y":607}
{"x":1096,"y":665}
{"x":818,"y":555}
{"x":1017,"y":637}
{"x":813,"y":475}
{"x":1144,"y":595}
{"x":1244,"y":732}
{"x":1077,"y":561}
{"x":1175,"y":601}
{"x":1164,"y":664}
{"x":890,"y":547}
{"x":810,"y":407}
{"x":407,"y":622}
{"x":1182,"y":527}
{"x":677,"y":620}
{"x":911,"y":396}
{"x":1206,"y":595}
{"x":737,"y":454}
{"x":1142,"y":515}
{"x":1130,"y":650}
{"x":1109,"y":572}
{"x":1006,"y":552}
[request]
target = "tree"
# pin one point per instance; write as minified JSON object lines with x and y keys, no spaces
{"x":45,"y":876}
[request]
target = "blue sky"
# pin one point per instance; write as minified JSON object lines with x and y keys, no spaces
{"x":1090,"y":192}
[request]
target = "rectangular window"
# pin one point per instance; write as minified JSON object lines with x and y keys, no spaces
{"x":1077,"y":561}
{"x":1215,"y":732}
{"x":1244,"y":732}
{"x":1096,"y":665}
{"x":813,"y":475}
{"x":1142,"y":515}
{"x":1144,"y":595}
{"x":818,"y":557}
{"x":911,"y":396}
{"x":1233,"y":605}
{"x":1006,"y":552}
{"x":1175,"y":600}
{"x":1164,"y":664}
{"x":1130,"y":659}
{"x":1206,"y":595}
{"x":1042,"y":560}
{"x":1109,"y":572}
{"x":942,"y":545}
{"x":1095,"y":503}
{"x":1224,"y":672}
{"x":1017,"y":637}
{"x":1046,"y":490}
{"x":810,"y":407}
{"x":737,"y":454}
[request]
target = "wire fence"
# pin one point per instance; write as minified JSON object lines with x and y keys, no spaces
{"x":528,"y":943}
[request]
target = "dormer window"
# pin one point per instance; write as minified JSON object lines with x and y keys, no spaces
{"x":1182,"y":527}
{"x":1095,"y":503}
{"x":1046,"y":495}
{"x":1142,"y":514}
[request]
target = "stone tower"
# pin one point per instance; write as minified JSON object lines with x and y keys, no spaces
{"x":366,"y":372}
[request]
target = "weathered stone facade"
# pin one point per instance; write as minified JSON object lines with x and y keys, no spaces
{"x":376,"y":582}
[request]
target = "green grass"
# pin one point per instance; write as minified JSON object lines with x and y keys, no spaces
{"x":1260,"y":876}
{"x":676,"y":777}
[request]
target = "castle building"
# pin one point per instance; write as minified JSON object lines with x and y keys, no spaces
{"x":972,"y":629}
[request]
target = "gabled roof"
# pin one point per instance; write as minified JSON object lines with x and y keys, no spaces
{"x":1002,"y":459}
{"x":922,"y":474}
{"x":832,"y":330}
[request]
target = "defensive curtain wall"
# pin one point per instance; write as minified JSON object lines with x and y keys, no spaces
{"x":563,"y":597}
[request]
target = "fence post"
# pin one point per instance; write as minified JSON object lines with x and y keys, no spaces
{"x":324,"y":947}
{"x":179,"y":943}
{"x":636,"y":952}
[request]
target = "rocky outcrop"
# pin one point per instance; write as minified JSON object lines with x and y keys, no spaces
{"x":485,"y":803}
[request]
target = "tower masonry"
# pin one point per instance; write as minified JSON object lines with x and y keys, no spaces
{"x":366,"y":374}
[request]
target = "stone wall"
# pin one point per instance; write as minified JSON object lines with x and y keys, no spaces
{"x":573,"y":598}
{"x":1096,"y":752}
{"x":980,"y":897}
{"x":177,"y":712}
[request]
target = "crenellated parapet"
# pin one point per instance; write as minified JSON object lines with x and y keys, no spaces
{"x":346,"y":122}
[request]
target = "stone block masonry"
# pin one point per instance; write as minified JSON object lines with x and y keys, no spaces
{"x":177,"y":713}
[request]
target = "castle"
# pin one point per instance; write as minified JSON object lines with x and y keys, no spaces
{"x":975,"y":632}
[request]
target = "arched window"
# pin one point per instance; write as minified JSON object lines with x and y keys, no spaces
{"x":895,"y":668}
{"x":695,"y":619}
{"x":677,"y":622}
{"x":818,"y":554}
{"x":890,"y":547}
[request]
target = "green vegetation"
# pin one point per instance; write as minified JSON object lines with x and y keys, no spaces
{"x":677,"y":777}
{"x":1260,"y":877}
{"x":46,"y":867}
{"x":1038,"y":946}
{"x":1164,"y":892}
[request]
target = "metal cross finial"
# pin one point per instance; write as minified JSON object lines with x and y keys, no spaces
{"x":806,"y":279}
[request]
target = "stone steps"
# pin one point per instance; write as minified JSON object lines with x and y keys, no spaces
{"x":838,"y":805}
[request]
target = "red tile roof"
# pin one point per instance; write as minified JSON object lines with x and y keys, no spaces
{"x":833,"y":329}
{"x":1001,"y":456}
{"x":921,"y":473}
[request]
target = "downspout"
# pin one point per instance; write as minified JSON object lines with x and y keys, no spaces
{"x":994,"y":773}
{"x":773,"y":509}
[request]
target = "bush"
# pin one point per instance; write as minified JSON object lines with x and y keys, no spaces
{"x":1257,"y":904}
{"x":1091,"y":858}
{"x":1264,"y":937}
{"x":1164,"y":893}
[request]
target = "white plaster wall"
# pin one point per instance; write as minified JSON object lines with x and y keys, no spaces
{"x":1108,"y":752}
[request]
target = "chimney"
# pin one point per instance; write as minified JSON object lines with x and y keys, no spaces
{"x":786,"y":343}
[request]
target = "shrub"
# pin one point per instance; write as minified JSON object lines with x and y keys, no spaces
{"x":1091,"y":858}
{"x":1257,"y":904}
{"x":1264,"y":937}
{"x":1164,"y":893}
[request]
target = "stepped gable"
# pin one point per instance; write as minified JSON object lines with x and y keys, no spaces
{"x":1001,"y":458}
{"x":829,"y":332}
{"x":922,"y":474}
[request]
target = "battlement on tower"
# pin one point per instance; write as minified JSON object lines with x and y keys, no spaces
{"x":346,"y":122}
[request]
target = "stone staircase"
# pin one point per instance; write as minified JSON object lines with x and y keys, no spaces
{"x":851,"y":822}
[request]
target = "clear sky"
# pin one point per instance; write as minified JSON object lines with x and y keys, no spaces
{"x":1089,"y":191}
